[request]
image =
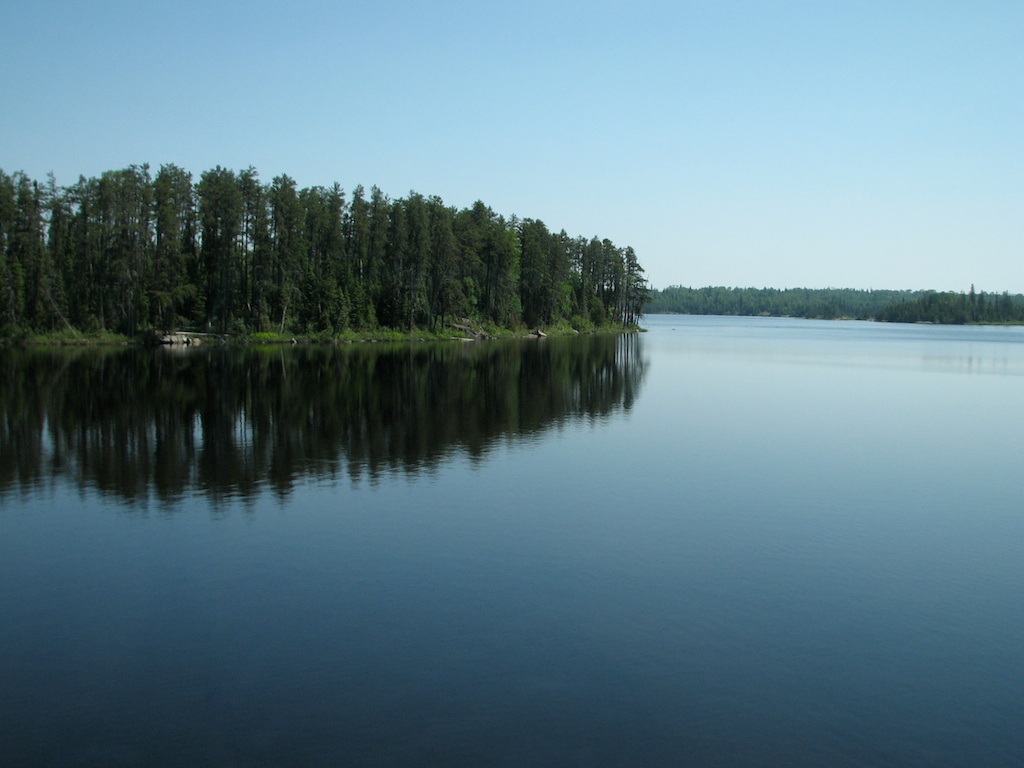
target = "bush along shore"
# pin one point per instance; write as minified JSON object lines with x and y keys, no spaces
{"x":184,"y":338}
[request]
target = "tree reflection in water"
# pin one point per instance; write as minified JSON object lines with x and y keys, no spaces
{"x":225,"y":421}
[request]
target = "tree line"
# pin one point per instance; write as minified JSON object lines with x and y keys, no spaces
{"x":951,"y":308}
{"x":833,"y":303}
{"x":131,"y":252}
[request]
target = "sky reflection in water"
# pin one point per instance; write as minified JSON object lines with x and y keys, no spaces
{"x":741,"y":541}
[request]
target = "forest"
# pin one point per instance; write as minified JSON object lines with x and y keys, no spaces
{"x":131,"y":252}
{"x":834,"y":303}
{"x":956,"y":308}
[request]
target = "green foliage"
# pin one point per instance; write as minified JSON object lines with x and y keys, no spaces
{"x":956,"y":308}
{"x":268,"y":337}
{"x":581,"y":323}
{"x":827,"y":303}
{"x":832,"y":303}
{"x":69,"y":337}
{"x":127,"y":252}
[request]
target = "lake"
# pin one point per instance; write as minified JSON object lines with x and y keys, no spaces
{"x":727,"y":541}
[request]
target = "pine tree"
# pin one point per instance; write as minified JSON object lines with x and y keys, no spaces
{"x":220,"y":211}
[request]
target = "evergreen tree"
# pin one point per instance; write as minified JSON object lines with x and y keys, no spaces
{"x":377,"y":254}
{"x":357,"y":237}
{"x":444,"y":289}
{"x":59,"y":247}
{"x":11,"y":274}
{"x":288,"y":246}
{"x":535,"y":283}
{"x":326,"y":271}
{"x":174,"y":292}
{"x":256,"y":251}
{"x":417,"y":255}
{"x":636,"y":293}
{"x":220,"y":211}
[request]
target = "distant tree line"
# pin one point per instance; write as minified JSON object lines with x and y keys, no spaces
{"x":833,"y":303}
{"x":824,"y":303}
{"x":957,"y":308}
{"x":130,"y":252}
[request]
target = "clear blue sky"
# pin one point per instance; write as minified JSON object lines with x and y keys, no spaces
{"x":785,"y":144}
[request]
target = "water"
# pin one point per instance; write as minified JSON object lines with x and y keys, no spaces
{"x":728,"y":541}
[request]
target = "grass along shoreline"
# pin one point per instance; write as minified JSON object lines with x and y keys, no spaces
{"x":461,"y":332}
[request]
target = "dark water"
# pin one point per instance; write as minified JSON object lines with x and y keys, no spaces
{"x":728,"y":541}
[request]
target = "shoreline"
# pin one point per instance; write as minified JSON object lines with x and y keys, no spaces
{"x":180,"y":339}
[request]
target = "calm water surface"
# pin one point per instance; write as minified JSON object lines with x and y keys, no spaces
{"x":728,"y":541}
